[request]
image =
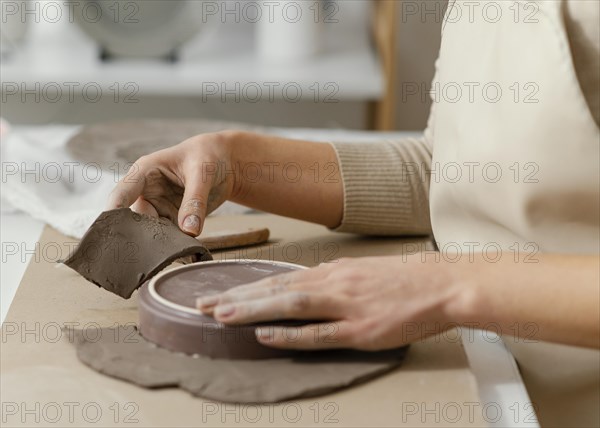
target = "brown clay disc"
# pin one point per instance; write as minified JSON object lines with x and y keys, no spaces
{"x":168,"y":317}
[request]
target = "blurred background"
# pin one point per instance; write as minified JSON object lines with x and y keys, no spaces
{"x":307,"y":63}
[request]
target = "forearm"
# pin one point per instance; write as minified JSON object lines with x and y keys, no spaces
{"x":382,"y":191}
{"x":555,"y":299}
{"x":298,"y":179}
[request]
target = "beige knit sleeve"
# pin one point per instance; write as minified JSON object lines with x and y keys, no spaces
{"x":386,"y":188}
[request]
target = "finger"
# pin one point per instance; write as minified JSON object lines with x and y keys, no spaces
{"x":300,"y":280}
{"x":142,"y":206}
{"x":193,"y":205}
{"x":291,"y":305}
{"x":128,"y":189}
{"x":207,"y":304}
{"x":332,"y":335}
{"x":165,"y":209}
{"x":304,"y":276}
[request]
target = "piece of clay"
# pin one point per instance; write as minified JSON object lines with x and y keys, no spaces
{"x":123,"y":249}
{"x":169,"y":318}
{"x":122,"y":353}
{"x":122,"y":142}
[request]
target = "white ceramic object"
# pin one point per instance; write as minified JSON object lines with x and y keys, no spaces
{"x":289,"y":31}
{"x":142,"y":28}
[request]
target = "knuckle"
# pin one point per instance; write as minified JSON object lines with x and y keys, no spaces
{"x":339,"y":335}
{"x":277,"y":279}
{"x":152,"y":174}
{"x":355,"y":338}
{"x":285,"y":279}
{"x":278,"y":283}
{"x":244,"y":311}
{"x":350,"y":273}
{"x":194,"y":163}
{"x":189,"y":142}
{"x":141,"y":162}
{"x":194,"y":205}
{"x":226,"y":299}
{"x":133,"y":174}
{"x":278,"y":288}
{"x":299,"y":302}
{"x":364,"y":337}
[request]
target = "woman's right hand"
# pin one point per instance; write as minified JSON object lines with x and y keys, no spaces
{"x":184,"y":183}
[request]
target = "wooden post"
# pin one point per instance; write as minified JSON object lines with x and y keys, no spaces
{"x":384,"y":29}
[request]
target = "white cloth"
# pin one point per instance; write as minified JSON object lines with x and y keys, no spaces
{"x":40,"y":178}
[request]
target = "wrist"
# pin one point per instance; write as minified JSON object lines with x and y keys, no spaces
{"x":226,"y":141}
{"x":239,"y":149}
{"x":466,"y":300}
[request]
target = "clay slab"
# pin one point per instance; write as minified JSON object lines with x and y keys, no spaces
{"x":131,"y":358}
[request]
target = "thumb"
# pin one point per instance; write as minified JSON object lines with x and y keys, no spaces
{"x":193,"y":207}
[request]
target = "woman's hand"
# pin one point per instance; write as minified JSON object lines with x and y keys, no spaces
{"x":368,"y":303}
{"x":298,"y":179}
{"x":183,"y":183}
{"x":383,"y":302}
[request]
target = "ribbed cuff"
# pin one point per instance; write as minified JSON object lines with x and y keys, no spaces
{"x":380,"y":196}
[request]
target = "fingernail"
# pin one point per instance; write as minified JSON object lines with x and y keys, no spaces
{"x":264,"y":334}
{"x":192,"y":223}
{"x":224,"y":311}
{"x":206,"y":301}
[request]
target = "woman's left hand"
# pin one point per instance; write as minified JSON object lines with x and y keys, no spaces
{"x":370,"y":303}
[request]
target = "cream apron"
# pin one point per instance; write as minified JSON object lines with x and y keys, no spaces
{"x":516,"y":166}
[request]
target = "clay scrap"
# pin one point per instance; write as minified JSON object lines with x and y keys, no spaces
{"x":123,"y":249}
{"x":124,"y":354}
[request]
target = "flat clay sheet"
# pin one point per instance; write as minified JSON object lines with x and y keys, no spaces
{"x":125,"y":141}
{"x":40,"y":367}
{"x":121,"y":250}
{"x":122,"y":353}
